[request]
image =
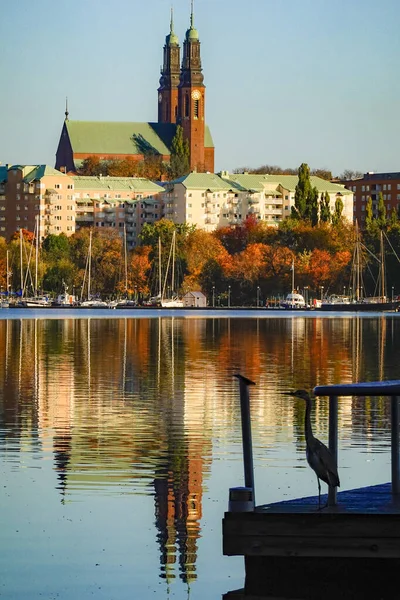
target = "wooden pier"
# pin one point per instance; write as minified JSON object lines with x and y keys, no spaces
{"x":348,"y":550}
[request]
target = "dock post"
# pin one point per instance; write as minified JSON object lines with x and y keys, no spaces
{"x":246,"y":431}
{"x":333,"y":442}
{"x":395,"y":444}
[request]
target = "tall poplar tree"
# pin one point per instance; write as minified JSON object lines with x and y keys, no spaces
{"x":337,"y":214}
{"x":179,"y":162}
{"x":369,"y":214}
{"x":382,"y":219}
{"x":302,"y":193}
{"x":325,"y":208}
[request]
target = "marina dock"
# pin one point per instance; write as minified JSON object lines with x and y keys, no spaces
{"x":349,"y":549}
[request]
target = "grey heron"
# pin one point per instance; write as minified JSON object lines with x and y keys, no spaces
{"x":319,"y":457}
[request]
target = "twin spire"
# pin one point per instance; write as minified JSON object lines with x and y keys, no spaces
{"x":191,"y":33}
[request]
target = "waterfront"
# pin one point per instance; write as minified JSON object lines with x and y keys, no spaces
{"x":120,"y":437}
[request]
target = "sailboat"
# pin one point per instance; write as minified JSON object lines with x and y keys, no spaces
{"x":90,"y":302}
{"x":173,"y":301}
{"x":35,"y":301}
{"x":5,"y":302}
{"x":294,"y":300}
{"x":359,"y":302}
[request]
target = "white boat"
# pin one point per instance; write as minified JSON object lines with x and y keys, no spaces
{"x":173,"y":301}
{"x":64,"y":300}
{"x":90,"y":302}
{"x":294,"y":301}
{"x":93,"y":303}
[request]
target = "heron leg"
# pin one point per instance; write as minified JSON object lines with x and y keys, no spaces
{"x":319,"y":493}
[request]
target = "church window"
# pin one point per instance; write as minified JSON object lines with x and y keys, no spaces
{"x":186,"y":105}
{"x":196,"y":109}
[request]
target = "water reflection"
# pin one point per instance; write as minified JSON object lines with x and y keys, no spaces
{"x":147,"y":407}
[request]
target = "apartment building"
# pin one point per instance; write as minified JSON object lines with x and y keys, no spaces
{"x":63,"y":203}
{"x":370,"y":186}
{"x":210,"y":201}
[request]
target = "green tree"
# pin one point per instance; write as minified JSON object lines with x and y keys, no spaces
{"x":382,"y":219}
{"x":337,"y":214}
{"x":312,"y":207}
{"x":369,"y":215}
{"x":302,"y":192}
{"x":324,"y":208}
{"x":394,"y":218}
{"x":179,"y":162}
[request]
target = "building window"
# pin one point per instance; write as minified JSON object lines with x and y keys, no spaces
{"x":389,"y":186}
{"x":186,"y":105}
{"x":363,"y":188}
{"x":196,"y":108}
{"x":57,"y":186}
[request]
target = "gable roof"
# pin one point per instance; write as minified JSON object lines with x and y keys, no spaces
{"x":113,"y":137}
{"x":137,"y":184}
{"x":206,"y":181}
{"x":257,"y":182}
{"x":42,"y":171}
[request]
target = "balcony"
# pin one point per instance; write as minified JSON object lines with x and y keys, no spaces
{"x":82,"y":218}
{"x":253,"y":199}
{"x":273,"y":211}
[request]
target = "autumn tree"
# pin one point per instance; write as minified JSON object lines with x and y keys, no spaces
{"x":200,"y":247}
{"x":179,"y":161}
{"x":139,"y":271}
{"x":92,"y":165}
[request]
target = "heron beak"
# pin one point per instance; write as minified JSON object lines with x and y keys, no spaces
{"x":287,"y":394}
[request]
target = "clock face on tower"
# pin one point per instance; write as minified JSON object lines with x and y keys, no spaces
{"x":196,"y":95}
{"x":160,"y":97}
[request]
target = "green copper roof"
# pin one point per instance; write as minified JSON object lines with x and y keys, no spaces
{"x":288,"y":182}
{"x":41,"y":171}
{"x":108,"y":137}
{"x":135,"y":184}
{"x":192,"y":34}
{"x":205,"y":181}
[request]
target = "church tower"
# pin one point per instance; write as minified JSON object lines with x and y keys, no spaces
{"x":169,"y":80}
{"x":191,"y":98}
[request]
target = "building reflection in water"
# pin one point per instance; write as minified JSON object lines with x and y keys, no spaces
{"x":136,"y":405}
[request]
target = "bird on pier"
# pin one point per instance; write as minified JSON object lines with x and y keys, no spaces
{"x":319,"y":457}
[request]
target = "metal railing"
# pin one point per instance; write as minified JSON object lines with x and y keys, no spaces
{"x":390,"y":389}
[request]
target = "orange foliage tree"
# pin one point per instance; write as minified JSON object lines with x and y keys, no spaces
{"x":139,"y":269}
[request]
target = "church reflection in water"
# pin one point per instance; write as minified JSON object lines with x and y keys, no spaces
{"x":135,"y":406}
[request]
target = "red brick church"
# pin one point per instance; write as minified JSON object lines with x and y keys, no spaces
{"x":181,"y":101}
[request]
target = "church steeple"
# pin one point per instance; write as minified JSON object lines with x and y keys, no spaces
{"x":169,"y":80}
{"x":191,"y":97}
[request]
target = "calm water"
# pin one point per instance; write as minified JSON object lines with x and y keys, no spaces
{"x":120,"y":437}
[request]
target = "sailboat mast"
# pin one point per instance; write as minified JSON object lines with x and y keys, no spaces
{"x":8,"y":273}
{"x":126,"y":262}
{"x":383,"y":268}
{"x":293,"y":276}
{"x":90,"y":262}
{"x":159,"y":267}
{"x":173,"y":263}
{"x":21,"y":263}
{"x":37,"y":254}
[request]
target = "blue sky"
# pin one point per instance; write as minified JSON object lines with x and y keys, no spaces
{"x":288,"y":81}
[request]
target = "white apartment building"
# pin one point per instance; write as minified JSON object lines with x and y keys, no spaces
{"x":210,"y":201}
